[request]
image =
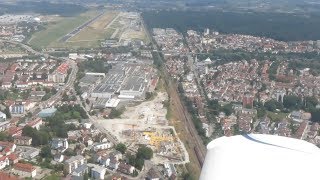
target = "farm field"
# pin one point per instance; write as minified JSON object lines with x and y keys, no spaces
{"x":56,"y":30}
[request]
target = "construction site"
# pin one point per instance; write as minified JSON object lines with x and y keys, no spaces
{"x":146,"y":124}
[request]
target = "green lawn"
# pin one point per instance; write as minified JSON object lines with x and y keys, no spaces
{"x":53,"y":177}
{"x":276,"y":116}
{"x":54,"y":31}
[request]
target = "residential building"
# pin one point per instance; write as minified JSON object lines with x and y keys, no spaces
{"x":37,"y":94}
{"x":36,"y":123}
{"x":4,"y":125}
{"x":98,"y":172}
{"x":58,"y":158}
{"x":28,"y":153}
{"x":80,"y":170}
{"x":17,"y":108}
{"x":116,"y":154}
{"x":169,"y":169}
{"x":7,"y":148}
{"x":296,"y":116}
{"x":73,"y":163}
{"x":5,"y":176}
{"x":25,"y":169}
{"x":102,"y":145}
{"x":3,"y":117}
{"x":59,"y":76}
{"x":4,"y":161}
{"x":59,"y":144}
{"x":22,"y":140}
{"x":153,"y":174}
{"x":13,"y":158}
{"x":125,"y":168}
{"x":113,"y":163}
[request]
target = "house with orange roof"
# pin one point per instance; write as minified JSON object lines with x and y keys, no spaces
{"x":15,"y":131}
{"x":13,"y":158}
{"x":7,"y":148}
{"x":5,"y":176}
{"x":25,"y":169}
{"x":59,"y":75}
{"x":35,"y":123}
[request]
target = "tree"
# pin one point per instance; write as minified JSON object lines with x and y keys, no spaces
{"x":261,"y":112}
{"x":85,"y":176}
{"x":5,"y":137}
{"x":38,"y":88}
{"x":28,"y":131}
{"x":131,"y":159}
{"x":38,"y":137}
{"x":65,"y":97}
{"x":135,"y":161}
{"x":149,"y":95}
{"x":16,"y":77}
{"x":45,"y":152}
{"x":271,"y":105}
{"x":139,"y":163}
{"x":121,"y":147}
{"x":54,"y":90}
{"x":7,"y":112}
{"x":315,"y":115}
{"x":144,"y":152}
{"x":310,"y":103}
{"x":69,"y":152}
{"x":227,"y":109}
{"x":115,"y":113}
{"x":292,"y":102}
{"x":44,"y":75}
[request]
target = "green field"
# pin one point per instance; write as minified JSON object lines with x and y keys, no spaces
{"x":276,"y":116}
{"x":54,"y":31}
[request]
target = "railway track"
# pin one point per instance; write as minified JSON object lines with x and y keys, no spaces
{"x":198,"y":146}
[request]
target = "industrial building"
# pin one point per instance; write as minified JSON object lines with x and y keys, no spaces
{"x":47,"y":112}
{"x":128,"y":80}
{"x":263,"y":157}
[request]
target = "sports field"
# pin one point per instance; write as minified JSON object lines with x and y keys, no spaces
{"x":56,"y":30}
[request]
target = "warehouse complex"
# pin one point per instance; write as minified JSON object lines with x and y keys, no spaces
{"x":126,"y":80}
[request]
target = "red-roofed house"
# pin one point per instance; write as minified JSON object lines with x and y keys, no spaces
{"x":15,"y":131}
{"x":13,"y":158}
{"x":7,"y":148}
{"x":25,"y":170}
{"x":35,"y":123}
{"x":60,"y":74}
{"x":5,"y":176}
